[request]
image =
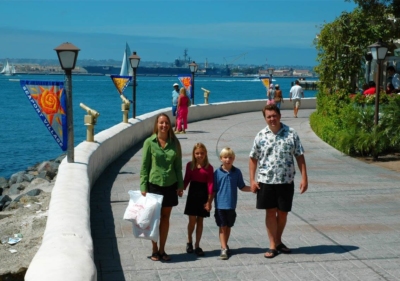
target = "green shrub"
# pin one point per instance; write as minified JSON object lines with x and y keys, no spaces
{"x":347,"y":123}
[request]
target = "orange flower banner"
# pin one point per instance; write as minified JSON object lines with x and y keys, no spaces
{"x":186,"y":81}
{"x":265,"y":81}
{"x":49,"y":101}
{"x":121,"y":82}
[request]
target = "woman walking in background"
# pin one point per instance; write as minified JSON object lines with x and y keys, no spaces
{"x":182,"y":110}
{"x":161,"y":173}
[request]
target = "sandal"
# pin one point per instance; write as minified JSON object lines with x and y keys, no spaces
{"x":165,"y":257}
{"x":283,"y":249}
{"x":271,"y":253}
{"x":155,"y":256}
{"x":189,"y":248}
{"x":199,"y":252}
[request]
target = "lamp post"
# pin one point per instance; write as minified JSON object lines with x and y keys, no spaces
{"x":378,"y":52}
{"x":134,"y":59}
{"x":270,"y":72}
{"x":193,"y":69}
{"x":67,"y":54}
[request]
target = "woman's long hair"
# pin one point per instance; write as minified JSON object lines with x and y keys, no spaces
{"x":171,"y":134}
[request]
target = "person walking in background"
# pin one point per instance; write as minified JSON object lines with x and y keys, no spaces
{"x":278,"y":96}
{"x":273,"y":150}
{"x":161,"y":173}
{"x":393,"y":78}
{"x":200,"y":175}
{"x":175,"y":95}
{"x":227,"y":180}
{"x":183,"y":110}
{"x":296,"y":93}
{"x":270,"y":92}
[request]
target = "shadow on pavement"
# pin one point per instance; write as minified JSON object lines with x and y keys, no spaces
{"x":324,"y":249}
{"x":106,"y":255}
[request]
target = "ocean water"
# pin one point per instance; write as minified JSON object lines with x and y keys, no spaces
{"x":25,"y":141}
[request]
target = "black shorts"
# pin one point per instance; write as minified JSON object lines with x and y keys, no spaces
{"x":170,"y":198}
{"x":225,"y":217}
{"x":279,"y":196}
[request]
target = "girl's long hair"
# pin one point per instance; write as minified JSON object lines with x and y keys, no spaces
{"x":201,"y":146}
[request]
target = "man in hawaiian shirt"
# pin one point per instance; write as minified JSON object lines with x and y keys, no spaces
{"x":273,"y":150}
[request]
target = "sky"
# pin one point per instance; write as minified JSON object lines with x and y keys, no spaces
{"x":260,"y":32}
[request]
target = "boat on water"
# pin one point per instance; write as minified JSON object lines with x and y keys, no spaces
{"x":8,"y":70}
{"x":180,"y":66}
{"x":126,"y":69}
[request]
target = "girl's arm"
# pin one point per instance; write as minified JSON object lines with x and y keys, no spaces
{"x":188,"y":175}
{"x":210,"y":186}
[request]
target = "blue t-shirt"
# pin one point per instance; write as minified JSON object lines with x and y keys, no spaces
{"x":226,"y":186}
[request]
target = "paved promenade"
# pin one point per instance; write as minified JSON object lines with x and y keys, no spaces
{"x":345,"y":227}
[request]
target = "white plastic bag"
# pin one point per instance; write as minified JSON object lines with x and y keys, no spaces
{"x":140,"y":209}
{"x":144,"y":212}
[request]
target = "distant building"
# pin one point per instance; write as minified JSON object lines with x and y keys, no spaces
{"x":302,"y":73}
{"x":277,"y":72}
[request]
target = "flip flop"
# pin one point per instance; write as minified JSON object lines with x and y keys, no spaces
{"x":165,"y":257}
{"x":273,"y":253}
{"x":155,"y":256}
{"x":283,"y":249}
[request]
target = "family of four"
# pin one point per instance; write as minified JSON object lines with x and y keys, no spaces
{"x":271,"y":157}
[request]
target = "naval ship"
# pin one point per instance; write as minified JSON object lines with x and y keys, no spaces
{"x":180,"y":66}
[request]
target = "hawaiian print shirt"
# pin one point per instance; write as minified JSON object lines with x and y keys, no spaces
{"x":275,"y":154}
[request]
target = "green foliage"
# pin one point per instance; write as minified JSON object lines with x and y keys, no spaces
{"x":343,"y":118}
{"x":348,"y":125}
{"x":342,"y":44}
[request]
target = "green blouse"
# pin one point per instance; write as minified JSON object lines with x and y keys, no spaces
{"x":160,"y":166}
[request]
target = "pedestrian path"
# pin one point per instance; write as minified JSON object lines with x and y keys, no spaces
{"x":345,"y":227}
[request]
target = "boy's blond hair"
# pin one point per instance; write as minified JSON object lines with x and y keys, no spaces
{"x":227,"y":151}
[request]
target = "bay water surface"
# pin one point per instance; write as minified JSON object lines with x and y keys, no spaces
{"x":25,"y":141}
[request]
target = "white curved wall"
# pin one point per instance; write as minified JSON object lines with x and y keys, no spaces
{"x":66,"y":252}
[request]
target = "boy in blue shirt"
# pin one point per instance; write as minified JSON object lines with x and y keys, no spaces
{"x":227,"y":180}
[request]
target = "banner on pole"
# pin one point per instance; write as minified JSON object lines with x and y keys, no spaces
{"x":265,"y":81}
{"x":49,"y":101}
{"x":186,"y":82}
{"x":121,"y":82}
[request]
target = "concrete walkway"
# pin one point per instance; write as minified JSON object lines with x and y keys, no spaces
{"x":346,"y":227}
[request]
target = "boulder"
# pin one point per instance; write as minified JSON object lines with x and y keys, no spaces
{"x":3,"y":182}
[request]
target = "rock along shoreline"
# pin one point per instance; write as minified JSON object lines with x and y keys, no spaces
{"x":24,"y":204}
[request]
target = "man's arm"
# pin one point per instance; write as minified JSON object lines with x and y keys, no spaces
{"x":301,"y":162}
{"x":252,"y":171}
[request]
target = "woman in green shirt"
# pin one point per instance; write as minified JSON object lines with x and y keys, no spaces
{"x":161,"y":173}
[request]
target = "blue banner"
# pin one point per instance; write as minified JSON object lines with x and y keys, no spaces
{"x":186,"y":82}
{"x":49,"y":101}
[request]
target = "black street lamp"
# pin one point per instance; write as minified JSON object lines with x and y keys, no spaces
{"x":134,"y":59}
{"x":378,"y":52}
{"x":67,"y":54}
{"x":193,"y":69}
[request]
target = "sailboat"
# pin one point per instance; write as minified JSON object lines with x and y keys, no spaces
{"x":8,"y":70}
{"x":126,"y":69}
